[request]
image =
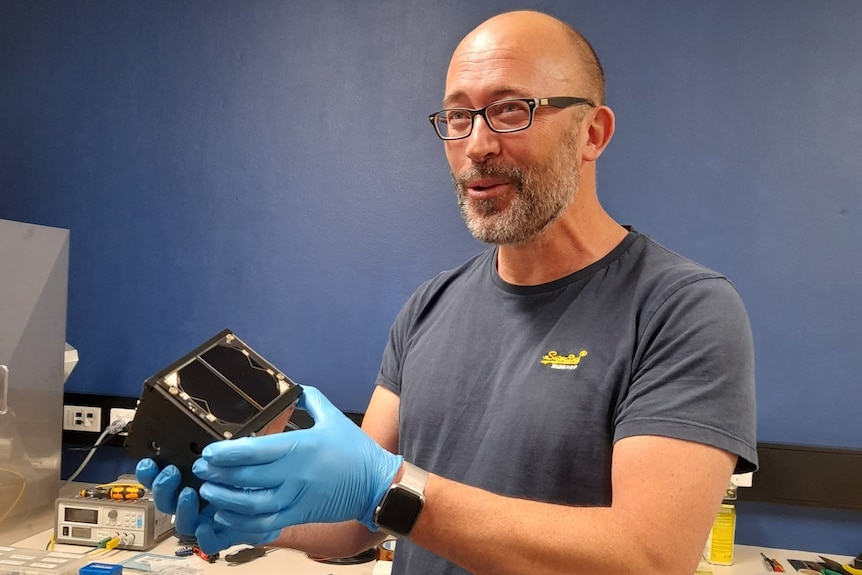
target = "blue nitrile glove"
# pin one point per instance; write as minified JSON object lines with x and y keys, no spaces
{"x":329,"y":473}
{"x":211,"y":537}
{"x":163,"y":484}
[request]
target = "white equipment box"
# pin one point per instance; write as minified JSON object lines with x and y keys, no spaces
{"x":88,"y":520}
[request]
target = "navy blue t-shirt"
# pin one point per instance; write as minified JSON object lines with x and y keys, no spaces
{"x":523,"y":390}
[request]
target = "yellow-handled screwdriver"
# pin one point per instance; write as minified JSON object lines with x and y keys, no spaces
{"x":124,"y":492}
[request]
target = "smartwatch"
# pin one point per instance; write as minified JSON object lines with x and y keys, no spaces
{"x":402,"y":503}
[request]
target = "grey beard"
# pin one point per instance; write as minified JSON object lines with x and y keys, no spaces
{"x":536,"y":206}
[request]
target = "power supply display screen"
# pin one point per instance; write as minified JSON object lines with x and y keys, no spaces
{"x":79,"y":515}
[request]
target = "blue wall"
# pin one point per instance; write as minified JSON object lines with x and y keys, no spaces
{"x":268,"y":166}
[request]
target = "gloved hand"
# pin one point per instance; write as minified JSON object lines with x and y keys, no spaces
{"x":329,"y":473}
{"x":190,"y":520}
{"x":163,"y":484}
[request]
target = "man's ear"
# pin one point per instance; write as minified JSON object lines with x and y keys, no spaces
{"x":599,"y":132}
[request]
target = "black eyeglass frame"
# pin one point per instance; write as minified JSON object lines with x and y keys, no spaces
{"x":533,"y":103}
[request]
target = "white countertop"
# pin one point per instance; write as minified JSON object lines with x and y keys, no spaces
{"x":35,"y":531}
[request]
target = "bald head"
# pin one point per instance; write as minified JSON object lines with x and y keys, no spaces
{"x":553,"y":50}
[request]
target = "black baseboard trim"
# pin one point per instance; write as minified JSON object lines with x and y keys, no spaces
{"x":300,"y":418}
{"x":805,"y":475}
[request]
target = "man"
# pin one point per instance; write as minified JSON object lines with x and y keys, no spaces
{"x":573,"y":400}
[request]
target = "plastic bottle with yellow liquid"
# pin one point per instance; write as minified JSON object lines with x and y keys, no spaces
{"x":719,"y":545}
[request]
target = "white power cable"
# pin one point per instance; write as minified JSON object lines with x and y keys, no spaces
{"x":113,"y":429}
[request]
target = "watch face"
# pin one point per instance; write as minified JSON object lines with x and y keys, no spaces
{"x":399,"y":510}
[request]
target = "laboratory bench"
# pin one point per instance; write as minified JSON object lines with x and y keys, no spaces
{"x":747,"y":560}
{"x":35,"y":532}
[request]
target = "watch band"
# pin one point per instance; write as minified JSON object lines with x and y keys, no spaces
{"x":414,"y":478}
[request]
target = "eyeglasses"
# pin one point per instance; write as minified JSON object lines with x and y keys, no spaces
{"x":503,"y":117}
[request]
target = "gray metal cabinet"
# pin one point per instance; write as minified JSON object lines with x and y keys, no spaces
{"x":34,"y":267}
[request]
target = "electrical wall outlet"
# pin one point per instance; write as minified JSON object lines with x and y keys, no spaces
{"x":742,"y":479}
{"x":110,"y":409}
{"x":82,"y":418}
{"x":126,"y":415}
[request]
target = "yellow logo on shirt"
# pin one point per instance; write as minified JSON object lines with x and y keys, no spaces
{"x":557,"y":361}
